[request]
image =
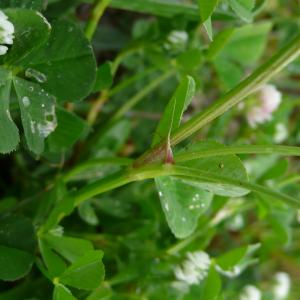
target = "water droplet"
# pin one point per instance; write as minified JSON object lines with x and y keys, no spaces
{"x":167,"y":207}
{"x":183,"y":219}
{"x":26,"y":101}
{"x":37,"y":75}
{"x":8,"y":114}
{"x":32,"y":126}
{"x":160,"y":194}
{"x":191,"y":207}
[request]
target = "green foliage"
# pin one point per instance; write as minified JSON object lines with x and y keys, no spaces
{"x":206,"y":8}
{"x":182,"y":204}
{"x":17,"y":246}
{"x":141,"y":149}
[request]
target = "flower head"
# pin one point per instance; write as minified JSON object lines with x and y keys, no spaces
{"x":281,"y":133}
{"x":6,"y":33}
{"x":250,"y":292}
{"x":282,"y":285}
{"x":194,"y":269}
{"x":269,"y":100}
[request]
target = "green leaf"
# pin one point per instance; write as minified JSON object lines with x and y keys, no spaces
{"x":31,"y":31}
{"x":37,"y":112}
{"x":104,"y":78}
{"x":69,"y":248}
{"x":87,"y":213}
{"x":182,"y":204}
{"x":14,"y":263}
{"x":246,"y":44}
{"x":30,"y":4}
{"x":240,"y":48}
{"x":17,"y":245}
{"x":67,"y":62}
{"x":229,"y":166}
{"x":62,"y":293}
{"x":9,"y":134}
{"x":164,"y":8}
{"x":243,"y":8}
{"x":86,"y":273}
{"x":233,"y":262}
{"x":212,"y":285}
{"x":171,"y":118}
{"x":208,"y":28}
{"x":54,"y":263}
{"x":220,"y":40}
{"x":207,"y":7}
{"x":69,"y":129}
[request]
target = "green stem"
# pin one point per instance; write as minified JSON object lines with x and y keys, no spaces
{"x":97,"y":12}
{"x":249,"y":85}
{"x":127,"y":82}
{"x":153,"y":171}
{"x":141,"y":94}
{"x":245,"y":149}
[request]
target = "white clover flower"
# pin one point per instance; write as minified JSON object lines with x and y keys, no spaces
{"x":281,"y":133}
{"x":236,"y":223}
{"x":176,"y":39}
{"x":282,"y":285}
{"x":269,"y":98}
{"x":251,"y":292}
{"x":234,"y":272}
{"x":194,"y":269}
{"x":6,"y":33}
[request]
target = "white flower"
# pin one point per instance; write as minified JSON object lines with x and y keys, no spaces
{"x":176,"y":40}
{"x":282,"y":285}
{"x":236,"y":223}
{"x":6,"y":33}
{"x":234,"y":272}
{"x":269,"y":98}
{"x":250,"y":292}
{"x":281,"y":133}
{"x":194,"y":269}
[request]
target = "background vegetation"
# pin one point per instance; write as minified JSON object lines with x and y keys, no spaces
{"x":92,"y":96}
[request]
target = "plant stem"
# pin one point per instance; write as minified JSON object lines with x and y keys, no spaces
{"x":153,"y":171}
{"x":127,"y":82}
{"x":96,"y":107}
{"x":245,"y":149}
{"x":141,"y":94}
{"x":97,"y":12}
{"x":249,"y":85}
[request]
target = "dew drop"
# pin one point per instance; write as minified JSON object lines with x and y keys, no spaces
{"x":37,"y":75}
{"x":167,"y":207}
{"x":26,"y":101}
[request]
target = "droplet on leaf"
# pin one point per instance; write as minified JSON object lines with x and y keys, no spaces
{"x":37,"y":75}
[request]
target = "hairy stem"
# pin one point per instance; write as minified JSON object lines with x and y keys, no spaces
{"x":249,"y":85}
{"x":131,"y":175}
{"x":245,"y":149}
